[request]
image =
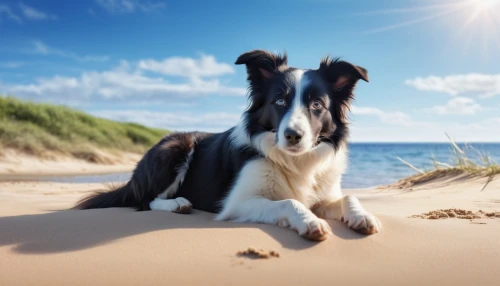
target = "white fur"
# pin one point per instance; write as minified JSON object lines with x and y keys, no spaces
{"x":350,"y":210}
{"x":307,"y":178}
{"x":181,"y":173}
{"x":172,"y":205}
{"x":281,"y":189}
{"x":296,"y":117}
{"x":239,"y":136}
{"x":261,"y":195}
{"x":355,"y":215}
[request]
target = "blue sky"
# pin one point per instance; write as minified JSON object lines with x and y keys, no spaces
{"x":433,"y":65}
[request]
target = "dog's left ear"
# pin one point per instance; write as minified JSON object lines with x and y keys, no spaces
{"x":341,"y":74}
{"x":261,"y":64}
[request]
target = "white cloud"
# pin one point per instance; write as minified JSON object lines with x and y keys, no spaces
{"x":33,"y":14}
{"x":179,"y":121}
{"x":129,"y":6}
{"x":125,"y":82}
{"x":42,"y":49}
{"x":493,"y":121}
{"x":485,"y":85}
{"x":11,"y":65}
{"x":5,"y":11}
{"x":178,"y":66}
{"x":91,"y":58}
{"x":458,"y":105}
{"x":392,"y":118}
{"x":243,"y":107}
{"x":400,"y":127}
{"x":435,"y":132}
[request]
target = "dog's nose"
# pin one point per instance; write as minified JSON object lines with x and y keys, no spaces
{"x":293,"y":136}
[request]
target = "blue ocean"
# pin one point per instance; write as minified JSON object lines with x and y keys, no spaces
{"x":370,"y":164}
{"x":373,"y":164}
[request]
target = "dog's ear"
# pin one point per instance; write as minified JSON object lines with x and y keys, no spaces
{"x":342,"y":75}
{"x":342,"y":78}
{"x":262,"y":65}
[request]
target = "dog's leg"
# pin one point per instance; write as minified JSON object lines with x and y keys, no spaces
{"x":349,"y":210}
{"x":285,"y":213}
{"x":178,"y":205}
{"x":255,"y":197}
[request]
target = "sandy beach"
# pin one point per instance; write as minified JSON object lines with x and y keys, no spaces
{"x":394,"y":102}
{"x":41,"y":243}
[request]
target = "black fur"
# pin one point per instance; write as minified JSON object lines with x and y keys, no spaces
{"x":154,"y":173}
{"x":269,"y":78}
{"x":330,"y":70}
{"x":213,"y":167}
{"x":215,"y":161}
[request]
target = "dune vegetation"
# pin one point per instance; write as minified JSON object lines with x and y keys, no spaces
{"x":46,"y":130}
{"x":462,"y":166}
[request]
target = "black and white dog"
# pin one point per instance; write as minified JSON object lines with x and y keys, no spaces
{"x":281,"y":164}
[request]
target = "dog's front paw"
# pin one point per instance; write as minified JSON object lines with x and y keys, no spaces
{"x":362,"y":222}
{"x":314,"y":228}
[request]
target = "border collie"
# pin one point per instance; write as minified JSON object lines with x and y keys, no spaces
{"x":281,"y":164}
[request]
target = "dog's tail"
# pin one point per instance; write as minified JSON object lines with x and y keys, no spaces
{"x":119,"y":197}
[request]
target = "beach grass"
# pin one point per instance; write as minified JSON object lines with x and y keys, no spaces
{"x":45,"y":129}
{"x":462,"y":164}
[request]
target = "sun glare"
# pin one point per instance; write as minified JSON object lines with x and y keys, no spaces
{"x":476,"y":22}
{"x":481,"y":7}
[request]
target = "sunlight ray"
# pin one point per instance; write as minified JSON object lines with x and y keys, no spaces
{"x":408,"y":10}
{"x":478,"y":27}
{"x":482,"y":26}
{"x":474,"y":15}
{"x":496,"y":24}
{"x":415,"y":21}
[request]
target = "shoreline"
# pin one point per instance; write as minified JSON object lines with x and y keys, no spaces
{"x":25,"y":168}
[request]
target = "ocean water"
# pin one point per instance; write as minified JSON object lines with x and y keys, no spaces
{"x":370,"y":164}
{"x":374,"y":164}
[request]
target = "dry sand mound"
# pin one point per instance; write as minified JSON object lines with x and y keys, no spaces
{"x":456,"y":213}
{"x":253,"y":252}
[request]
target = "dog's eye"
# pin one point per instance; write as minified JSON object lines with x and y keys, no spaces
{"x":316,"y":105}
{"x":280,"y":101}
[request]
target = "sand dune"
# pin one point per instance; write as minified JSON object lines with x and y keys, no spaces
{"x":41,"y":246}
{"x":17,"y":165}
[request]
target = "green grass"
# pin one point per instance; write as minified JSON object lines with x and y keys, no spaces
{"x":43,"y":129}
{"x":462,"y":164}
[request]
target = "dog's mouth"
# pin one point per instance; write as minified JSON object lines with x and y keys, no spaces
{"x":300,"y":149}
{"x":297,"y":150}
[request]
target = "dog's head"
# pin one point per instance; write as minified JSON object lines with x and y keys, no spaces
{"x":303,"y":107}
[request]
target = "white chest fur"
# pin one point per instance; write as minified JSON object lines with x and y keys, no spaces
{"x":308,"y":178}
